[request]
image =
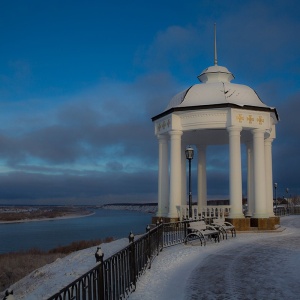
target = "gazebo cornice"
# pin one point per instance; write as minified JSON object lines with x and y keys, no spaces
{"x":214,"y":106}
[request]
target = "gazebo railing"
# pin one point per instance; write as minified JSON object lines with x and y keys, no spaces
{"x":206,"y":212}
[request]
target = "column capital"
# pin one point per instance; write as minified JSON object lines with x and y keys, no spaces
{"x":162,"y":137}
{"x":269,"y":140}
{"x":258,"y":130}
{"x":175,"y":132}
{"x":234,"y":129}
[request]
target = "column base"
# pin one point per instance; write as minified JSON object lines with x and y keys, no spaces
{"x":240,"y":224}
{"x":264,"y":223}
{"x":277,"y":220}
{"x":236,"y":216}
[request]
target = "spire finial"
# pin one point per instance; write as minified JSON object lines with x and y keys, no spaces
{"x":216,"y":57}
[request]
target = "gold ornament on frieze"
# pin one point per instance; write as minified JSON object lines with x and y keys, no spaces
{"x":240,"y":118}
{"x":250,"y":119}
{"x":260,"y":120}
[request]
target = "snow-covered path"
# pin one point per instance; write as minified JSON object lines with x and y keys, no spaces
{"x":251,"y":266}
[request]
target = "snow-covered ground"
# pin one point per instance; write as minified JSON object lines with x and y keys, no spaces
{"x":250,"y":266}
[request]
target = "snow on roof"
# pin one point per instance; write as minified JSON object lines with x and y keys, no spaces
{"x":215,"y":73}
{"x":216,"y":89}
{"x":216,"y":93}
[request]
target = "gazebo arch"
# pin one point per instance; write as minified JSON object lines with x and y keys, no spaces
{"x":218,"y":112}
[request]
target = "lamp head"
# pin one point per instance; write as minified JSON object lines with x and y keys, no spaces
{"x":189,"y":152}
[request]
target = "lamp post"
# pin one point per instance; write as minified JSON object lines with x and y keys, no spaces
{"x":189,"y":154}
{"x":275,"y":188}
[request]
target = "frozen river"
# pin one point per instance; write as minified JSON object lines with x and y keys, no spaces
{"x":49,"y":234}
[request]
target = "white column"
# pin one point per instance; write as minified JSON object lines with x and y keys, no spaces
{"x":260,"y":210}
{"x":163,"y":176}
{"x":250,"y":179}
{"x":202,"y":182}
{"x":235,"y":172}
{"x":183,"y":176}
{"x":269,"y":176}
{"x":175,"y":173}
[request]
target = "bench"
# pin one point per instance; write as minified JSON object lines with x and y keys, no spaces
{"x":200,"y":230}
{"x":224,"y":227}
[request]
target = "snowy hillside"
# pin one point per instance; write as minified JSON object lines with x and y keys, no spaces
{"x":48,"y":280}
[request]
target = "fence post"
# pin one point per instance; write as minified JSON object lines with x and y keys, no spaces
{"x":132,"y":259}
{"x":99,"y":258}
{"x":161,"y":236}
{"x":9,"y":295}
{"x":149,"y":248}
{"x":157,"y":237}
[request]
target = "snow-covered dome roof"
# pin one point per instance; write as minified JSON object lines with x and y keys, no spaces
{"x":215,"y":73}
{"x":216,"y":88}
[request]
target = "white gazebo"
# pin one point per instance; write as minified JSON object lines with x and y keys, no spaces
{"x":216,"y":112}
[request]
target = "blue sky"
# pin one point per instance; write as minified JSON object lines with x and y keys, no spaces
{"x":80,"y":81}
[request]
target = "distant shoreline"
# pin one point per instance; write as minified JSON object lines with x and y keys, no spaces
{"x":148,"y":208}
{"x":40,"y":214}
{"x":48,"y":219}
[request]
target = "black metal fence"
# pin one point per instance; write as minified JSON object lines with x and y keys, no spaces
{"x":116,"y":277}
{"x":286,"y":210}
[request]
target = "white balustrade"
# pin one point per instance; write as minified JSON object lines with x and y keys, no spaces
{"x":218,"y":211}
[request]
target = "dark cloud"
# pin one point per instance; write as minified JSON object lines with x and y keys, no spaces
{"x":265,"y":48}
{"x":114,"y":166}
{"x":81,"y":187}
{"x":286,"y":158}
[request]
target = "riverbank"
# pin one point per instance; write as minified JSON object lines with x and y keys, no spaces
{"x":47,"y":219}
{"x":21,"y":214}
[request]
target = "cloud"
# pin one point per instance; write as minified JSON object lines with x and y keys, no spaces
{"x":176,"y":43}
{"x":88,"y":187}
{"x":264,"y":48}
{"x":111,"y":121}
{"x":286,"y":158}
